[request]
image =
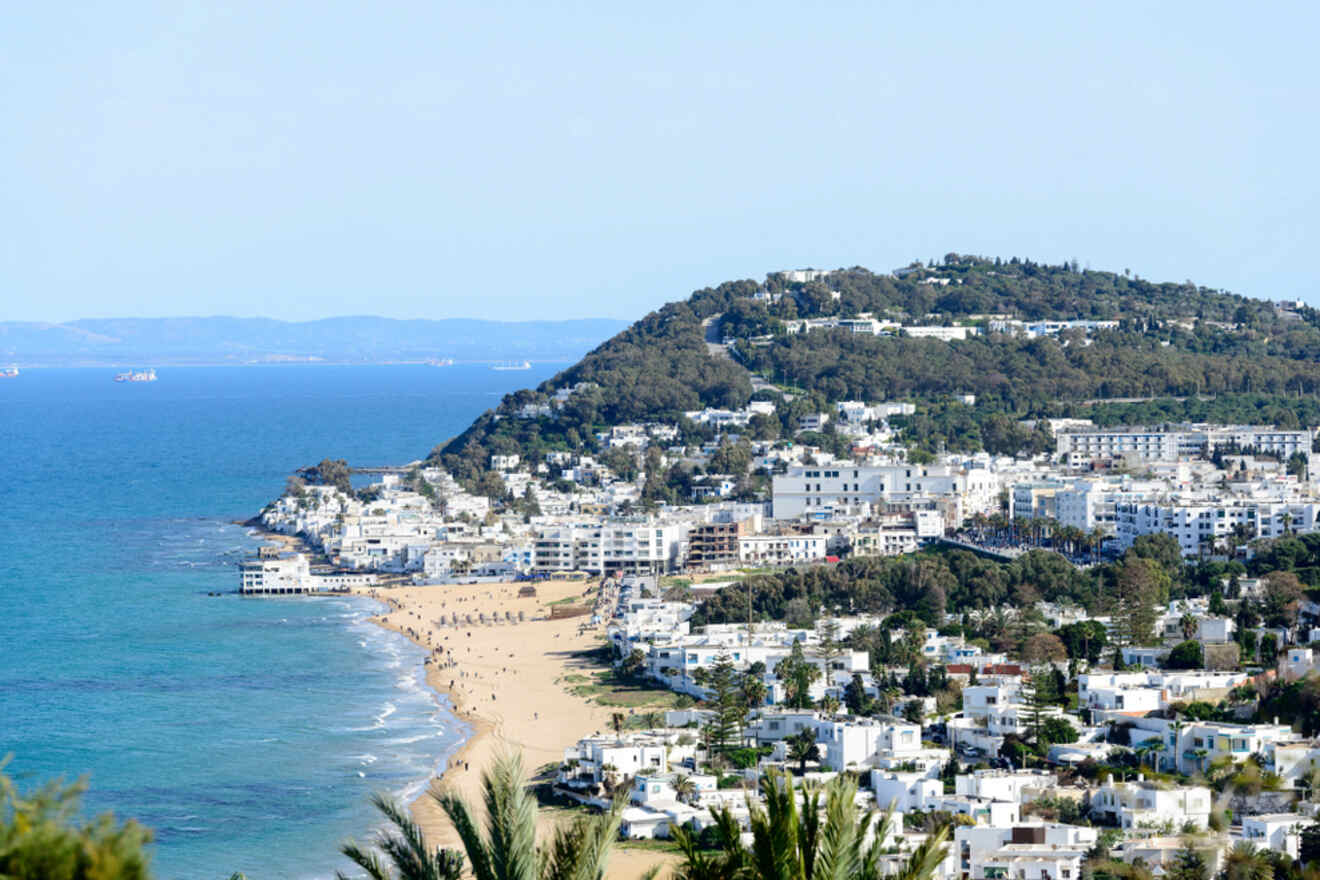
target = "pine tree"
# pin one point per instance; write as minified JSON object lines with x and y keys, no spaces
{"x":1038,"y":695}
{"x":1139,"y":585}
{"x":854,"y":695}
{"x":730,"y":704}
{"x":831,"y":646}
{"x":1189,"y":864}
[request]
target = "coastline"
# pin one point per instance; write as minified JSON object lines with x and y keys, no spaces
{"x":510,"y":683}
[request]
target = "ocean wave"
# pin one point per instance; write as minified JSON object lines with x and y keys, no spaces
{"x":408,"y":740}
{"x":386,"y":711}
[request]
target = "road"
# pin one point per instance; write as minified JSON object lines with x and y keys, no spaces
{"x":716,"y":348}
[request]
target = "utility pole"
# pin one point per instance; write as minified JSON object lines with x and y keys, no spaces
{"x":749,"y":612}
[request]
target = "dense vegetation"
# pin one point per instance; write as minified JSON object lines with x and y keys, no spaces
{"x":1017,"y":373}
{"x":1188,"y":352}
{"x":996,"y":599}
{"x":654,"y":370}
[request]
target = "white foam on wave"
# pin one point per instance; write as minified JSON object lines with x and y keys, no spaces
{"x":367,"y":759}
{"x":388,"y":710}
{"x":408,"y":740}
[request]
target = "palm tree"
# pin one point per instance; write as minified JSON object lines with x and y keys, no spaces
{"x":1245,"y":862}
{"x":505,"y":849}
{"x":802,"y":748}
{"x":617,"y":722}
{"x":403,"y":847}
{"x":753,"y":692}
{"x":812,"y":843}
{"x":1097,"y":543}
{"x":1189,"y":626}
{"x":1150,"y":748}
{"x":829,"y":704}
{"x":727,"y":864}
{"x":684,"y":788}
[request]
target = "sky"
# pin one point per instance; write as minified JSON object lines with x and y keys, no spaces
{"x":556,"y":160}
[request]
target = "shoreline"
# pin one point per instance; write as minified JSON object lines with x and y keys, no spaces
{"x":510,"y":683}
{"x":510,"y":692}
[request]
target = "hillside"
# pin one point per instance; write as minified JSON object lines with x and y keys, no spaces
{"x":1215,"y":354}
{"x":219,"y":340}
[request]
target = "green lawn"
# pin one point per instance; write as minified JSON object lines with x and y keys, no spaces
{"x":608,"y":690}
{"x":656,"y":846}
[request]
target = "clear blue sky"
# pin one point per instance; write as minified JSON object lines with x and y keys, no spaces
{"x":430,"y":159}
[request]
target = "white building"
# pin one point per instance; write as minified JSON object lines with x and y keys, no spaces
{"x":282,"y":574}
{"x":944,"y":334}
{"x":1148,"y":805}
{"x":1280,"y":832}
{"x":1297,"y":663}
{"x":1019,"y":851}
{"x":614,"y":546}
{"x":1173,"y":442}
{"x":782,"y":549}
{"x":817,"y":491}
{"x":1201,"y":525}
{"x":592,"y":759}
{"x":1017,"y":786}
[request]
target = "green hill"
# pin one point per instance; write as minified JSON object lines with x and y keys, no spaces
{"x":1192,"y":351}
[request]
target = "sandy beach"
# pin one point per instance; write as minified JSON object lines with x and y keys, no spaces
{"x":507,"y":681}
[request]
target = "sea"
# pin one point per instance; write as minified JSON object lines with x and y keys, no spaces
{"x":247,"y":733}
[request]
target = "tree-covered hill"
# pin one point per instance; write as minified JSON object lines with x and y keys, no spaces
{"x":1019,"y":373}
{"x":1172,"y":341}
{"x":656,"y":369}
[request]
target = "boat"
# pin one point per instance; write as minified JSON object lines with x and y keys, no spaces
{"x":513,"y":365}
{"x":440,"y":362}
{"x":136,"y":376}
{"x":9,"y":373}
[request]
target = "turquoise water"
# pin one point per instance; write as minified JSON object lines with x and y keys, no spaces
{"x":247,"y":733}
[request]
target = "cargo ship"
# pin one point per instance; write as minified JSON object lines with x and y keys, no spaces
{"x":9,"y":373}
{"x":136,"y":376}
{"x":513,"y":365}
{"x":441,"y":362}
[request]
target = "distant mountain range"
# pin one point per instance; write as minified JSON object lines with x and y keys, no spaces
{"x":222,"y":340}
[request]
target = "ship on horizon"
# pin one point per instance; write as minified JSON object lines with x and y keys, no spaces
{"x":148,"y":375}
{"x":512,"y":365}
{"x":440,"y":362}
{"x":9,"y":373}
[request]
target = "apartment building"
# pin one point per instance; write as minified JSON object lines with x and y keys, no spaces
{"x":787,"y":549}
{"x":715,"y":544}
{"x":1200,"y":525}
{"x":1172,"y":442}
{"x":815,"y":491}
{"x":896,"y":534}
{"x":623,"y":546}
